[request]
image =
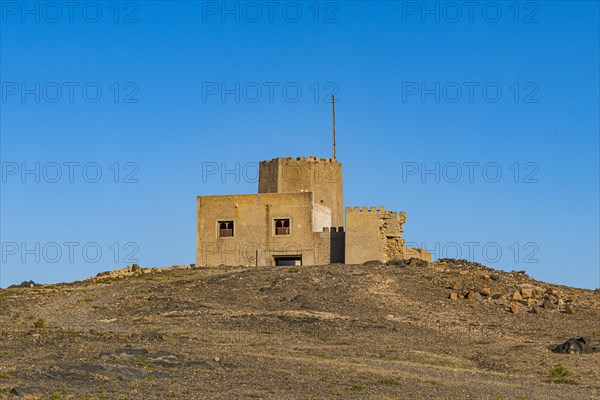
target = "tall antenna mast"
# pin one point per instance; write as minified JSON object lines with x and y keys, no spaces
{"x":333,"y":122}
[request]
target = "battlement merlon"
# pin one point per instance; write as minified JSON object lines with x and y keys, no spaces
{"x":300,"y":159}
{"x":374,"y":210}
{"x":368,"y":209}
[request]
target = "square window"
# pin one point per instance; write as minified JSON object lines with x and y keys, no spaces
{"x":225,"y":228}
{"x":282,"y":226}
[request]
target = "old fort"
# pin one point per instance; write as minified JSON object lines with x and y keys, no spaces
{"x":297,"y":218}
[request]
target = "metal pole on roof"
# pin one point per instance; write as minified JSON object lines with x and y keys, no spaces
{"x":333,"y":122}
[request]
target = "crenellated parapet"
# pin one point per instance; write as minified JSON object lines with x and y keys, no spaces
{"x":376,"y":212}
{"x":296,"y":159}
{"x":373,"y":233}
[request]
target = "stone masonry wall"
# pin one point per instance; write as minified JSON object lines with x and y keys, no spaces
{"x":254,"y":230}
{"x":322,"y":176}
{"x":376,"y":234}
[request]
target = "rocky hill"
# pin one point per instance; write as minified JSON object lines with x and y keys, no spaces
{"x":403,"y":330}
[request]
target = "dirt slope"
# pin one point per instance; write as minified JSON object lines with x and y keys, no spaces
{"x":335,"y":331}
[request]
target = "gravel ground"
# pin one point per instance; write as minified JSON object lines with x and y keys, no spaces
{"x":335,"y":331}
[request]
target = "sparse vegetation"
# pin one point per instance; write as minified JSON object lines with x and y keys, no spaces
{"x":146,"y":364}
{"x":560,"y":374}
{"x":40,"y":323}
{"x":356,"y":388}
{"x":6,"y":376}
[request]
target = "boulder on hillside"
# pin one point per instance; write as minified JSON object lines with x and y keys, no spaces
{"x":526,"y":293}
{"x":30,"y":392}
{"x":395,"y":262}
{"x":372,"y":263}
{"x":26,"y":284}
{"x":417,"y":262}
{"x":410,"y":262}
{"x":580,"y":345}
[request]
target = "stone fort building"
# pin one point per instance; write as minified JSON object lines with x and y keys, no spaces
{"x":297,"y":218}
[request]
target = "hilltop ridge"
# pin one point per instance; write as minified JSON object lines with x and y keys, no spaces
{"x":404,"y":329}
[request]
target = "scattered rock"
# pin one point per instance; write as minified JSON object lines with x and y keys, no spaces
{"x":91,"y":372}
{"x":496,"y":296}
{"x":417,"y":262}
{"x":474,"y":296}
{"x":514,"y":308}
{"x":530,"y":302}
{"x":455,"y":286}
{"x":526,"y":293}
{"x":579,"y":345}
{"x":395,"y":262}
{"x":516,"y":296}
{"x":133,"y":354}
{"x":30,"y":392}
{"x":551,"y":298}
{"x":460,"y":263}
{"x":453,"y":296}
{"x":486,"y":277}
{"x":569,"y":309}
{"x":26,"y":284}
{"x":155,"y":336}
{"x":486,"y":291}
{"x":300,"y":299}
{"x":372,"y":263}
{"x":534,"y":310}
{"x":166,"y":360}
{"x":547,"y":304}
{"x":129,"y":355}
{"x":495,"y":277}
{"x":129,"y":270}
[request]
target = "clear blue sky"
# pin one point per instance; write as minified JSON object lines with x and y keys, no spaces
{"x":189,"y":85}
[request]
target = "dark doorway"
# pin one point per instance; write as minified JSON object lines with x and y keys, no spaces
{"x":288,"y":261}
